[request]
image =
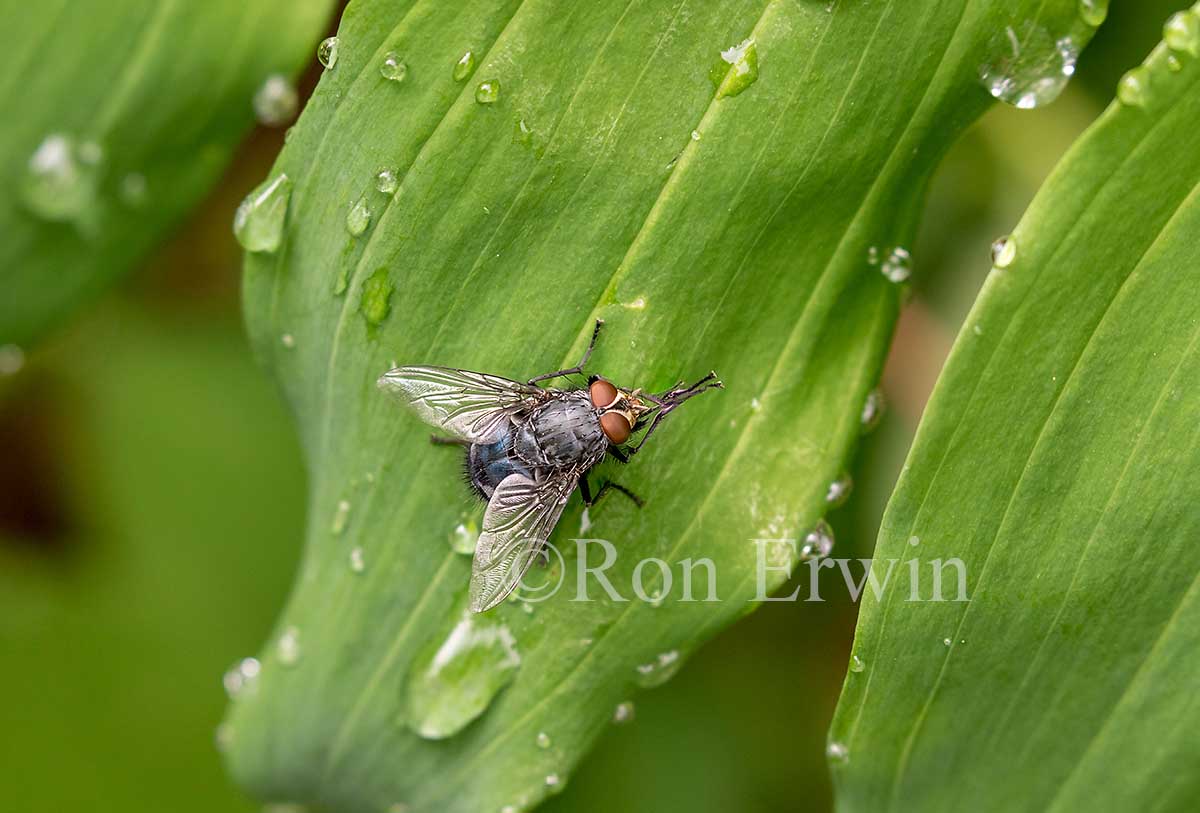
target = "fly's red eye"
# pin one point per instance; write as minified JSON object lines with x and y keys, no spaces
{"x":615,"y":427}
{"x":603,"y":393}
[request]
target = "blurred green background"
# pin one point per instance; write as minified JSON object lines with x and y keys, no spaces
{"x":152,"y":507}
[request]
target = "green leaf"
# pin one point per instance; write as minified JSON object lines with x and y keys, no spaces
{"x":119,"y":116}
{"x":1057,"y":460}
{"x":612,"y":176}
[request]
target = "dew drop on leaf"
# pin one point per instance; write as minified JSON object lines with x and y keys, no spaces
{"x":818,"y":543}
{"x":554,"y":783}
{"x":872,"y":411}
{"x":464,"y":67}
{"x":1027,"y":67}
{"x":61,"y":178}
{"x":1132,"y":88}
{"x":488,"y":91}
{"x":837,"y":752}
{"x":1004,"y":251}
{"x":386,"y":181}
{"x":1093,"y":12}
{"x":658,"y":671}
{"x":623,"y":713}
{"x":542,"y":740}
{"x":736,"y":70}
{"x":839,"y":491}
{"x":393,"y":68}
{"x":276,"y":101}
{"x":897,"y":266}
{"x":376,"y":302}
{"x":357,"y":563}
{"x":358,"y":218}
{"x":464,"y":537}
{"x":455,"y":679}
{"x":856,"y":664}
{"x":288,"y":340}
{"x":241,"y":677}
{"x":258,"y":224}
{"x":327,"y":52}
{"x":341,"y":517}
{"x":1181,"y":32}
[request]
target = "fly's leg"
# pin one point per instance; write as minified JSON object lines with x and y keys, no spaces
{"x":438,"y":440}
{"x":605,"y":487}
{"x":578,"y":368}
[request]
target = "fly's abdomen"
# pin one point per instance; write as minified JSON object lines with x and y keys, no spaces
{"x":488,"y":464}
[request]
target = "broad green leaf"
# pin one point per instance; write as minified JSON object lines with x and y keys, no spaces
{"x":119,"y":116}
{"x":584,"y":161}
{"x":1057,"y":460}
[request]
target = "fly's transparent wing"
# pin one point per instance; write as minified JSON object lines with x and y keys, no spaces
{"x":517,"y":523}
{"x":470,"y":406}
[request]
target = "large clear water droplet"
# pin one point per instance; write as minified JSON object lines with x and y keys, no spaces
{"x":465,"y":536}
{"x":327,"y":52}
{"x":393,"y":68}
{"x":1028,"y":67}
{"x":258,"y":224}
{"x":488,"y":91}
{"x":376,"y":302}
{"x":276,"y":101}
{"x":386,"y":181}
{"x":453,"y":681}
{"x":242,"y":677}
{"x":464,"y":67}
{"x":856,"y":664}
{"x":818,"y":543}
{"x":1181,"y":32}
{"x":358,"y":218}
{"x":61,"y":178}
{"x":737,"y":69}
{"x":660,"y":670}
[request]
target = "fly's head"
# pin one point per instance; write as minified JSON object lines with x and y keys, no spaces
{"x":623,"y":413}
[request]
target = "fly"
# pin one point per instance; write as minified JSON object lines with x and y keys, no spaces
{"x":528,"y":448}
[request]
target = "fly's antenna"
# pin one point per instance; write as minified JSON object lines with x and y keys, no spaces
{"x":667,"y":401}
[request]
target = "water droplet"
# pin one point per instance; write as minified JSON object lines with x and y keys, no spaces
{"x":393,"y":68}
{"x":453,"y":681}
{"x":465,"y":536}
{"x":856,"y":664}
{"x":358,"y":218}
{"x":542,"y":740}
{"x":914,"y":540}
{"x":12,"y":359}
{"x":61,"y":178}
{"x":288,"y":340}
{"x":839,"y":491}
{"x":1093,"y":12}
{"x":623,"y":713}
{"x":522,"y":133}
{"x":357,"y":564}
{"x":872,"y":411}
{"x":755,"y":405}
{"x":873,"y":255}
{"x":818,"y":542}
{"x":1030,"y":68}
{"x":695,"y":135}
{"x":488,"y":91}
{"x":947,"y":641}
{"x":276,"y":101}
{"x":241,"y":677}
{"x":1131,"y":90}
{"x":660,"y":670}
{"x":837,"y":752}
{"x":289,"y":646}
{"x":636,"y":305}
{"x":737,"y":70}
{"x":376,"y":302}
{"x":341,"y":517}
{"x":133,"y":189}
{"x":386,"y":181}
{"x":554,"y":783}
{"x":1004,"y":251}
{"x":1173,"y":63}
{"x":258,"y":224}
{"x":327,"y":52}
{"x":1181,"y":32}
{"x":464,"y":67}
{"x":897,"y":267}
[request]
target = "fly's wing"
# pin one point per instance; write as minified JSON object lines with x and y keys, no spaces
{"x":517,"y":523}
{"x":470,"y":406}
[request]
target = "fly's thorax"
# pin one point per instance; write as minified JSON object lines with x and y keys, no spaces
{"x":562,"y":432}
